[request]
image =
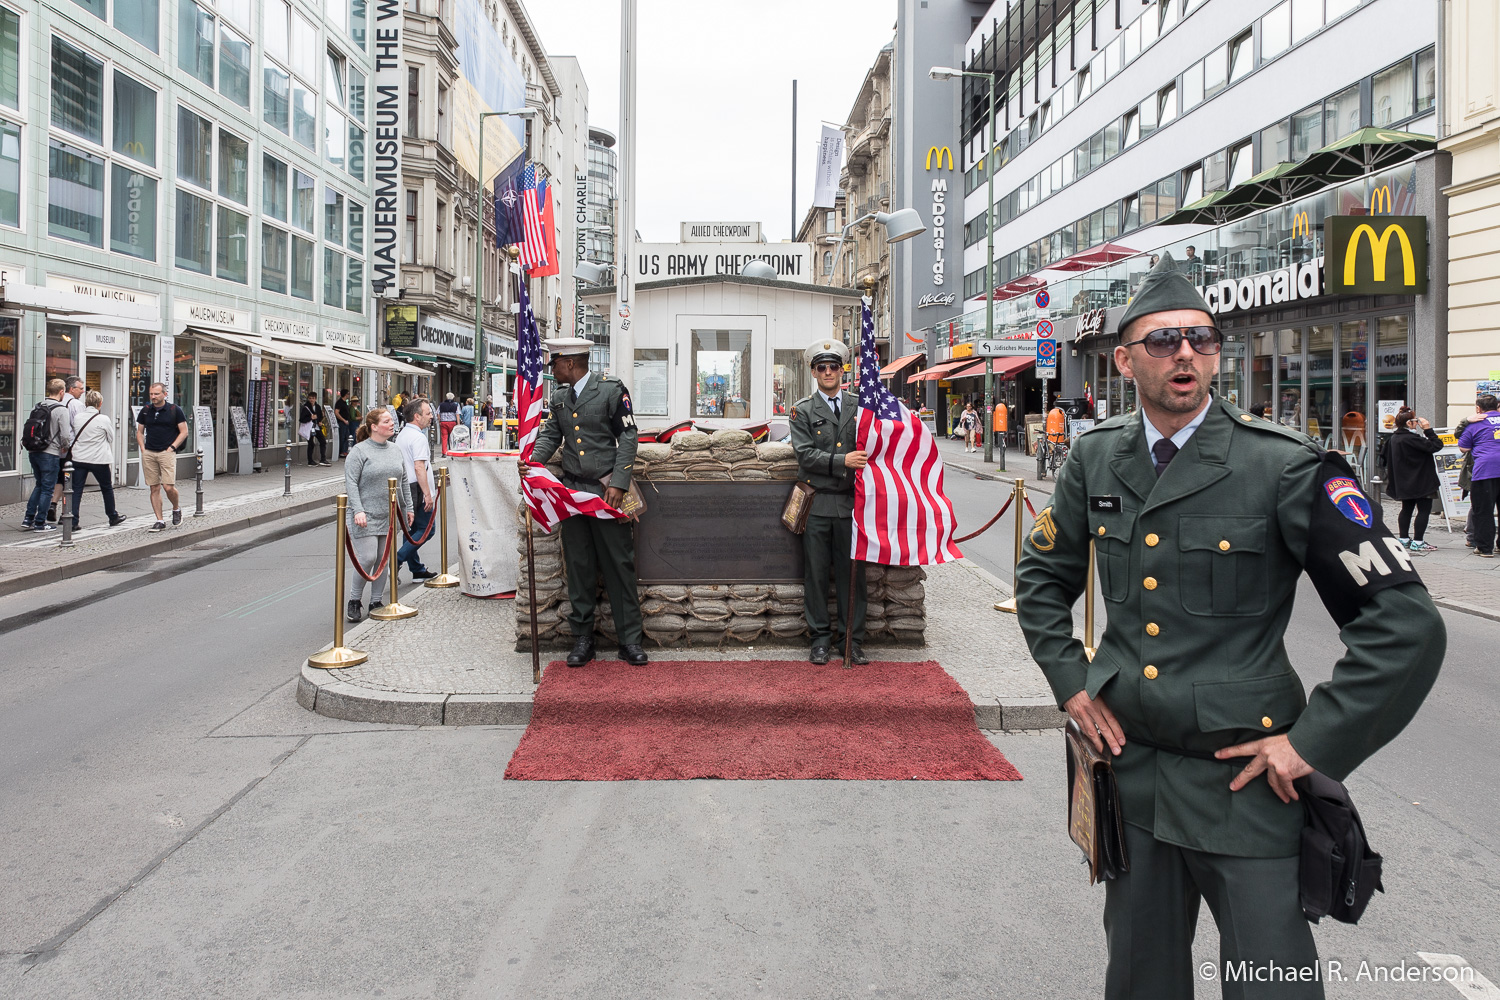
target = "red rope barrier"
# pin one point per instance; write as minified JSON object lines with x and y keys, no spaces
{"x":1030,"y":508}
{"x":437,"y":499}
{"x":988,"y":524}
{"x":385,"y":549}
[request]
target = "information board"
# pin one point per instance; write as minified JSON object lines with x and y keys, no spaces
{"x":716,"y":532}
{"x":1450,"y":462}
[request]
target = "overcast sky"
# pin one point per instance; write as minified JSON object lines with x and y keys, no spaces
{"x":714,"y":96}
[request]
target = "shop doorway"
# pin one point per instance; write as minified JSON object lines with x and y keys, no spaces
{"x":211,"y":390}
{"x":106,"y":376}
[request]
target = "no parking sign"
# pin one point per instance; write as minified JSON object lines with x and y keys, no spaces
{"x":1046,"y":358}
{"x":1044,"y":328}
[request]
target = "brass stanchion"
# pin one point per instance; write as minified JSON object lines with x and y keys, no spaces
{"x":444,"y":578}
{"x":1018,"y":502}
{"x":340,"y":655}
{"x":393,"y":609}
{"x":1088,"y":608}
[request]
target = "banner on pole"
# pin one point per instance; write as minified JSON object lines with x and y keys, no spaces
{"x":486,"y":496}
{"x":830,"y":161}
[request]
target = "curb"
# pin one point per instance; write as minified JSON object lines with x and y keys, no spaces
{"x":177,"y":540}
{"x":1466,"y":609}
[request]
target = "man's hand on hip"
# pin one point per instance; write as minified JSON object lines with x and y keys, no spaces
{"x":1274,"y":755}
{"x":1096,"y":720}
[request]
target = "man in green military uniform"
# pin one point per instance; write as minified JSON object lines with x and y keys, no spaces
{"x":592,"y":421}
{"x":1204,"y":518}
{"x":823,"y":432}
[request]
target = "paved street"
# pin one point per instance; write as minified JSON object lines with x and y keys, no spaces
{"x":175,"y":826}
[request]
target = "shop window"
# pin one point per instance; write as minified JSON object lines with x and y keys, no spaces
{"x":1341,"y":115}
{"x":1307,"y":17}
{"x":285,"y":426}
{"x":195,"y":41}
{"x":721,"y":374}
{"x":185,"y":380}
{"x":1392,"y":95}
{"x":75,"y":195}
{"x":62,"y":350}
{"x":10,"y":174}
{"x":1426,"y":81}
{"x":132,"y":215}
{"x":1276,"y":31}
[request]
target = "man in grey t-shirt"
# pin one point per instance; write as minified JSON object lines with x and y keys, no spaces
{"x":416,"y":453}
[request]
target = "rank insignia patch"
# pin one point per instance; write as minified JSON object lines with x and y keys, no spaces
{"x":1345,"y":495}
{"x":1044,"y":531}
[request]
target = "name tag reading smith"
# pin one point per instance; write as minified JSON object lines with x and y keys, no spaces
{"x":1105,"y":505}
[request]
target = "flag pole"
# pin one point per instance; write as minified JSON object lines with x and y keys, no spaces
{"x":536,"y":653}
{"x":859,"y":336}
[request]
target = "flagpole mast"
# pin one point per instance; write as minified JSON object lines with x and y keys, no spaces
{"x":480,"y":365}
{"x":622,"y":340}
{"x":859,"y":338}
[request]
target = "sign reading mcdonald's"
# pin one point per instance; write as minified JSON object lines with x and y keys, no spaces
{"x":1376,"y":254}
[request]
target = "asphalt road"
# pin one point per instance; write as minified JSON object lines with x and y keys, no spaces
{"x":175,"y":826}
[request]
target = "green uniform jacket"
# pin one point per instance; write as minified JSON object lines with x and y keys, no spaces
{"x":1199,"y":570}
{"x":597,"y":433}
{"x":821,"y":445}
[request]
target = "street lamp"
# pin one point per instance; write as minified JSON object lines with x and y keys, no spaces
{"x":481,"y":365}
{"x":758,"y":269}
{"x":948,"y":73}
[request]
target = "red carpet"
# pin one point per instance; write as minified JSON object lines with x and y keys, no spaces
{"x":760,"y":720}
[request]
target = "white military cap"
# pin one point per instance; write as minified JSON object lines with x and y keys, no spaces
{"x":833,"y":350}
{"x":559,"y":347}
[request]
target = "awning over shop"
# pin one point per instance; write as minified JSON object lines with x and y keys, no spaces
{"x":901,"y":364}
{"x":1090,"y":259}
{"x":942,"y":370}
{"x":379,"y":362}
{"x":1004,"y":368}
{"x":236,"y":341}
{"x":433,"y":359}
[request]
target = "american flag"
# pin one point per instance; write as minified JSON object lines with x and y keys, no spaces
{"x":901,"y":515}
{"x":534,"y":242}
{"x":549,"y":500}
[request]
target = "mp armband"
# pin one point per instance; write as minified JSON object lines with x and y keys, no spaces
{"x":1351,"y":555}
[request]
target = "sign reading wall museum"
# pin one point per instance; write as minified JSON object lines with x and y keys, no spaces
{"x":390,"y":95}
{"x":655,"y":261}
{"x":1376,"y":254}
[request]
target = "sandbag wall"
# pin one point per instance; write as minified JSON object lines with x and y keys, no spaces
{"x":722,"y":614}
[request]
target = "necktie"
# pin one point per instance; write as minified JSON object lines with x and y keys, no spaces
{"x":1163,"y":452}
{"x":574,"y":397}
{"x":835,"y":408}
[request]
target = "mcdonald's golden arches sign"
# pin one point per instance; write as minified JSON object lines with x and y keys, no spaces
{"x":1375,"y":254}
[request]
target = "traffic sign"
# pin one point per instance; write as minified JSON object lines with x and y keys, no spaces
{"x":1044,"y":328}
{"x":1042,"y":298}
{"x":1003,"y":348}
{"x":1046,"y":359}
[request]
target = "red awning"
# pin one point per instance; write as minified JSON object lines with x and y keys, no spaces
{"x":1004,"y":368}
{"x":901,"y":364}
{"x":942,"y":370}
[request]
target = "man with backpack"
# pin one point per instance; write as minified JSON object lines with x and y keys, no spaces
{"x":45,"y":437}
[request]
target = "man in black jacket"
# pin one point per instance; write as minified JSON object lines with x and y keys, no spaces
{"x":312,"y":413}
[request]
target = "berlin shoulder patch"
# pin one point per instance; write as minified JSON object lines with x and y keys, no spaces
{"x":1351,"y":555}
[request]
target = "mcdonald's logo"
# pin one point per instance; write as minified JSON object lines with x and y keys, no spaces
{"x":1300,"y":225}
{"x":1382,"y":196}
{"x":135,"y":149}
{"x":939,"y":152}
{"x":1398,"y":255}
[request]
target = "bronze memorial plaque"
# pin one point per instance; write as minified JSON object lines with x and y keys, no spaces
{"x":716,"y":533}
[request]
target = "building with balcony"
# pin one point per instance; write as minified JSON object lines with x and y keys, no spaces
{"x":866,"y":184}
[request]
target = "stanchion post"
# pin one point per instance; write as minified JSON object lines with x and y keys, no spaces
{"x":198,"y":483}
{"x":64,"y":518}
{"x":536,"y":653}
{"x":1088,"y":606}
{"x":340,"y":655}
{"x":288,"y":491}
{"x":444,"y":578}
{"x":1018,"y":503}
{"x":393,"y":609}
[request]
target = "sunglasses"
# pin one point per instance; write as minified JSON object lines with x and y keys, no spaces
{"x":1164,"y":343}
{"x":827,"y":366}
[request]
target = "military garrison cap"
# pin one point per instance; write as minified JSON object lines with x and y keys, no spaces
{"x":561,"y":346}
{"x":829,"y":350}
{"x":1162,"y":289}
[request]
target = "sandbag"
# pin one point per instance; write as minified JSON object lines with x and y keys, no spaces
{"x":786,"y":625}
{"x":715,"y":611}
{"x":691,"y":441}
{"x":731,"y":437}
{"x":701,"y":625}
{"x":671,"y":625}
{"x":709,"y":591}
{"x":730,"y":456}
{"x":744,"y":607}
{"x":653,"y":452}
{"x":748,"y":590}
{"x":776,"y":451}
{"x":667,"y":592}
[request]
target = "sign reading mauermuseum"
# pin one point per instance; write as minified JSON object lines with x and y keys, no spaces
{"x":390,"y":95}
{"x":1376,"y":254}
{"x":792,"y":261}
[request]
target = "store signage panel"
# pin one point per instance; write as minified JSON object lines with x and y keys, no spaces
{"x":289,"y":329}
{"x":100,"y":342}
{"x":189,"y":313}
{"x":792,"y":261}
{"x":387,"y":128}
{"x":1283,"y":285}
{"x":401,"y":327}
{"x":1376,"y":254}
{"x":1004,"y":348}
{"x":721,"y":232}
{"x":344,"y":338}
{"x":104,"y":293}
{"x":449,"y":340}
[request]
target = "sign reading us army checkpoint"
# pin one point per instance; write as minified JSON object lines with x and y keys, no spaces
{"x":1375,"y":254}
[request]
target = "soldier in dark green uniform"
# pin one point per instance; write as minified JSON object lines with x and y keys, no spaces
{"x":591,"y":420}
{"x":1204,"y":518}
{"x":823,"y":431}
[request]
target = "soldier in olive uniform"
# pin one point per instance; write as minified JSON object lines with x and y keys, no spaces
{"x":1204,"y":518}
{"x":591,"y":420}
{"x":823,"y":432}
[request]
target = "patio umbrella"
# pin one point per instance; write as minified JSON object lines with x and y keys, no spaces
{"x":1363,"y":152}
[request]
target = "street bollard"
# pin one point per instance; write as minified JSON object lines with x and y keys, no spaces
{"x":1088,"y":606}
{"x":1041,"y":457}
{"x":198,"y":483}
{"x":444,"y":578}
{"x":393,"y":609}
{"x":65,"y":519}
{"x":339,"y":655}
{"x":288,"y":491}
{"x":1018,"y":505}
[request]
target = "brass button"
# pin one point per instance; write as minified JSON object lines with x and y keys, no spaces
{"x":577,"y":428}
{"x":1150,"y":672}
{"x":1151,"y":540}
{"x":1224,"y":546}
{"x":1101,"y":530}
{"x":580,"y":451}
{"x":1152,"y":628}
{"x":1246,"y":417}
{"x":575,"y":416}
{"x":1265,"y":720}
{"x":1149,"y":583}
{"x":838,"y":444}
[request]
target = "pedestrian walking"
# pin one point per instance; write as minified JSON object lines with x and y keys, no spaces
{"x":73,"y":390}
{"x":1482,"y":440}
{"x":1411,"y":476}
{"x":823,"y":436}
{"x":417,"y":456}
{"x":447,"y":419}
{"x":466,"y":414}
{"x":1204,"y":518}
{"x":968,"y":422}
{"x":597,"y":458}
{"x":93,"y":454}
{"x":311,"y":418}
{"x":160,"y":429}
{"x":374,"y":460}
{"x":344,"y":414}
{"x":45,"y":436}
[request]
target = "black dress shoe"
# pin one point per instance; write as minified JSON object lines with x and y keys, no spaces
{"x":633,"y":654}
{"x":356,"y":613}
{"x":857,"y":654}
{"x":819,"y":654}
{"x":422,"y":574}
{"x":583,"y":651}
